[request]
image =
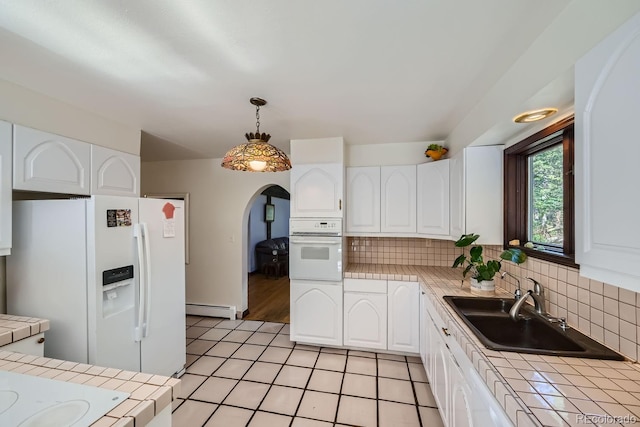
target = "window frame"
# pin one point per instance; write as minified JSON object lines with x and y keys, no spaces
{"x":516,"y":189}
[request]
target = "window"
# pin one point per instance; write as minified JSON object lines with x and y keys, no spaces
{"x":538,"y":193}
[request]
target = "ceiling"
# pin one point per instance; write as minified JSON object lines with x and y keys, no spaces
{"x":373,"y":71}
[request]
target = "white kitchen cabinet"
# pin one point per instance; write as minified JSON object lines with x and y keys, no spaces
{"x":50,"y":163}
{"x":403,"y":316}
{"x":5,"y":188}
{"x":476,"y":182}
{"x":365,"y":313}
{"x":607,"y":106}
{"x":33,"y":345}
{"x":433,"y":198}
{"x":316,"y":312}
{"x":363,"y":199}
{"x":398,"y":199}
{"x":114,"y":173}
{"x":424,"y":336}
{"x":317,"y":190}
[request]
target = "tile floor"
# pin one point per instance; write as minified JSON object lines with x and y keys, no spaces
{"x":248,"y":373}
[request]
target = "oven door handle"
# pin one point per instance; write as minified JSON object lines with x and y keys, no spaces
{"x":315,"y":242}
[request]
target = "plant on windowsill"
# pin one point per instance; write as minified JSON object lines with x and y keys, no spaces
{"x":435,"y":151}
{"x":482,"y":273}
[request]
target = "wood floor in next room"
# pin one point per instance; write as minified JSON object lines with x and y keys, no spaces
{"x":248,"y":373}
{"x":268,"y":298}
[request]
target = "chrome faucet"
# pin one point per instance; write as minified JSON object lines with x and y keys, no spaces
{"x":538,"y":290}
{"x":515,"y":309}
{"x":518,"y":293}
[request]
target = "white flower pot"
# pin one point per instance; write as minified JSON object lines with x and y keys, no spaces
{"x":483,"y":288}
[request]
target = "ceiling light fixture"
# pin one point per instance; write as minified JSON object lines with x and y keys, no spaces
{"x":257,"y":155}
{"x":534,"y":116}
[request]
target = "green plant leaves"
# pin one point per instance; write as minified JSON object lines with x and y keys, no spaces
{"x":466,"y":240}
{"x":459,"y":261}
{"x":514,"y":255}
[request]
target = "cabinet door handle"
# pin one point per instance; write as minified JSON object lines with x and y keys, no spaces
{"x":41,"y":340}
{"x":445,"y":331}
{"x":339,"y":204}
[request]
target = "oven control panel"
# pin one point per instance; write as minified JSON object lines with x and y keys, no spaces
{"x":315,"y":225}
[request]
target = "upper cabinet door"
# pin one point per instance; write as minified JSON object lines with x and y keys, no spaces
{"x":607,"y":106}
{"x":363,"y":199}
{"x":316,"y":190}
{"x":398,"y":199}
{"x":433,"y":198}
{"x":5,"y":188}
{"x":46,"y":162}
{"x":456,"y":196}
{"x":114,"y":173}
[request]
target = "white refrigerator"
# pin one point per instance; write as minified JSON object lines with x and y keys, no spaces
{"x":109,"y":274}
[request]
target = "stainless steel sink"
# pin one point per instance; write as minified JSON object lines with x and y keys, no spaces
{"x":488,"y":319}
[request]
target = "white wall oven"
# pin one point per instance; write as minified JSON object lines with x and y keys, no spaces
{"x":315,"y":249}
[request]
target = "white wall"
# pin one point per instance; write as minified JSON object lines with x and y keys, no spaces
{"x":401,"y":153}
{"x":280,"y":226}
{"x":220,"y":201}
{"x":25,"y":107}
{"x":257,"y":229}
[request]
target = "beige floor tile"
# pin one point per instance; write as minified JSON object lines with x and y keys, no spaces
{"x":227,"y":416}
{"x":189,"y":383}
{"x":264,"y":419}
{"x":306,"y":422}
{"x":196,"y":331}
{"x":302,"y":358}
{"x":271,"y":327}
{"x":395,"y":390}
{"x":395,"y":357}
{"x":424,"y":395}
{"x":233,"y":368}
{"x":417,"y":373}
{"x":319,"y":406}
{"x":293,"y":376}
{"x":223,"y":349}
{"x":393,"y":369}
{"x":237,"y":336}
{"x":247,"y":394}
{"x":327,"y":381}
{"x":199,"y":347}
{"x":430,"y":417}
{"x":192,"y":413}
{"x":414,"y":359}
{"x":214,"y":334}
{"x":229,"y":324}
{"x":282,"y":400}
{"x":214,"y":389}
{"x":205,"y":365}
{"x":359,"y":385}
{"x":361,"y":365}
{"x":262,"y":372}
{"x":176,"y":402}
{"x":307,"y":347}
{"x":191,"y":358}
{"x":282,"y":340}
{"x":331,"y":362}
{"x":392,"y":414}
{"x":192,"y":320}
{"x":358,"y":353}
{"x":286,"y":329}
{"x":250,"y":325}
{"x":275,"y":355}
{"x":249,"y":352}
{"x":260,"y":338}
{"x":342,"y":351}
{"x":209,"y":322}
{"x":358,"y":411}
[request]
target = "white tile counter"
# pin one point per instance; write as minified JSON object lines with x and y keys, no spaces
{"x":16,"y":328}
{"x":533,"y":390}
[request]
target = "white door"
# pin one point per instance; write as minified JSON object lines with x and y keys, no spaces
{"x":433,"y":198}
{"x":404,"y":316}
{"x":424,"y":343}
{"x":456,"y":196}
{"x":163,"y":343}
{"x":114,"y":173}
{"x":363,"y":199}
{"x":316,"y":312}
{"x":316,"y":190}
{"x":52,"y":163}
{"x":461,"y":397}
{"x":398,"y":199}
{"x":439,"y":373}
{"x":5,"y":188}
{"x":365,"y":320}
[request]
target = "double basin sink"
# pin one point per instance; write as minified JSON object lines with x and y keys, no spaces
{"x":489,"y":320}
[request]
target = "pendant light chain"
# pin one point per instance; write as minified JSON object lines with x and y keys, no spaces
{"x":258,"y":119}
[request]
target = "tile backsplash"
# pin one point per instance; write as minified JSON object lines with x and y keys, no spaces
{"x":605,"y":312}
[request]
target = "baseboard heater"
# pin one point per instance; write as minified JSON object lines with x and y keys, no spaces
{"x":212,"y":310}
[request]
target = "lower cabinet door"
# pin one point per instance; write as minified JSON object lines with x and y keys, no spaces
{"x":460,"y":407}
{"x":365,"y":320}
{"x":404,"y":316}
{"x":33,"y":345}
{"x":316,"y":312}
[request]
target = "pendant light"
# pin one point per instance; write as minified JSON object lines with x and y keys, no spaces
{"x":257,"y":155}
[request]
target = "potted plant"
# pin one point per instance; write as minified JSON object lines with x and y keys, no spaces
{"x":435,"y":151}
{"x":482,"y":273}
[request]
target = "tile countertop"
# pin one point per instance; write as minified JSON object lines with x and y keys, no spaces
{"x":16,"y":328}
{"x":150,"y":394}
{"x":533,"y":390}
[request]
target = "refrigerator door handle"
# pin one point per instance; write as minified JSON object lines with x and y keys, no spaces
{"x":138,"y":234}
{"x":147,"y":268}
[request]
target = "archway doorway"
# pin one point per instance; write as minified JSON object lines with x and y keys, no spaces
{"x":268,"y":256}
